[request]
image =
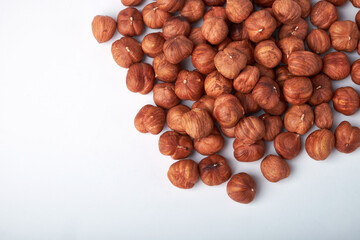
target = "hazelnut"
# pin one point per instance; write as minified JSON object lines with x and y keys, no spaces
{"x":318,"y":41}
{"x":278,"y":110}
{"x":214,"y":170}
{"x":346,"y":100}
{"x":244,"y":152}
{"x":322,"y":90}
{"x":246,"y":48}
{"x":103,"y":28}
{"x":287,"y":145}
{"x":305,"y":6}
{"x":248,"y":102}
{"x":304,"y":63}
{"x":229,"y":132}
{"x":357,"y":19}
{"x":150,"y":119}
{"x":274,"y":168}
{"x":174,"y":118}
{"x":355,"y":3}
{"x":336,"y":65}
{"x":241,"y":188}
{"x":230,"y":62}
{"x":344,"y":35}
{"x":214,"y":2}
{"x":250,"y":129}
{"x":203,"y":58}
{"x":238,"y":10}
{"x":189,"y":85}
{"x":214,"y":30}
{"x":216,"y":84}
{"x":247,"y":79}
{"x":297,"y":90}
{"x":216,"y":12}
{"x":282,"y":74}
{"x":196,"y":36}
{"x":221,"y":46}
{"x":164,"y":70}
{"x":287,"y":11}
{"x":319,"y":144}
{"x":265,"y":72}
{"x":170,"y":5}
{"x":289,"y":45}
{"x":198,"y":123}
{"x":130,"y":22}
{"x":299,"y":119}
{"x":266,"y":93}
{"x":126,"y":51}
{"x":175,"y":145}
{"x":175,"y":26}
{"x":238,"y":32}
{"x":270,"y":10}
{"x":273,"y":126}
{"x":228,"y":110}
{"x":264,"y":3}
{"x":267,"y":54}
{"x":210,"y":144}
{"x":323,"y":14}
{"x":140,"y":78}
{"x":260,"y":25}
{"x":177,"y":49}
{"x":153,"y":16}
{"x":355,"y":72}
{"x":299,"y":30}
{"x":193,"y":10}
{"x":347,"y":137}
{"x":152,"y":44}
{"x":164,"y":95}
{"x":337,"y":2}
{"x":323,"y":116}
{"x":131,"y":2}
{"x":184,"y":173}
{"x":205,"y":102}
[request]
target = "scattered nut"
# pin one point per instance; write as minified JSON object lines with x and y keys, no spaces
{"x":248,"y":102}
{"x":150,"y":119}
{"x":323,"y":116}
{"x":196,"y":37}
{"x":289,"y":45}
{"x":241,"y":188}
{"x":228,"y":110}
{"x":274,"y":168}
{"x":140,"y":78}
{"x":216,"y":84}
{"x":299,"y":30}
{"x":164,"y":70}
{"x":174,"y":118}
{"x":355,"y":72}
{"x":297,"y":90}
{"x":210,"y":144}
{"x":170,"y":5}
{"x":184,"y":173}
{"x":203,"y":58}
{"x":103,"y":28}
{"x":344,"y":35}
{"x":214,"y":170}
{"x":267,"y":54}
{"x":214,"y":30}
{"x":247,"y":79}
{"x":299,"y":119}
{"x":250,"y":129}
{"x":175,"y":26}
{"x":346,"y":100}
{"x":126,"y":51}
{"x":260,"y":25}
{"x":198,"y":123}
{"x":205,"y":102}
{"x":153,"y":16}
{"x":273,"y":126}
{"x":323,"y":14}
{"x":336,"y":65}
{"x":189,"y":85}
{"x":287,"y":145}
{"x":318,"y":41}
{"x":177,"y":49}
{"x":164,"y":95}
{"x":322,"y":90}
{"x":175,"y":145}
{"x":193,"y":10}
{"x":266,"y":93}
{"x":287,"y":11}
{"x":244,"y":152}
{"x":319,"y":144}
{"x":347,"y":137}
{"x":152,"y":44}
{"x":238,"y":10}
{"x":230,"y":62}
{"x":304,"y":63}
{"x":130,"y":22}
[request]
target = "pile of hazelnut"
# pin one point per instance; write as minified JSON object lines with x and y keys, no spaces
{"x":245,"y":61}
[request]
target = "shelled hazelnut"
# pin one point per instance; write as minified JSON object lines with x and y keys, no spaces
{"x":140,"y":78}
{"x":287,"y":11}
{"x":318,"y":41}
{"x":336,"y":65}
{"x":175,"y":26}
{"x":152,"y":44}
{"x":205,"y":102}
{"x":131,"y":2}
{"x":164,"y":70}
{"x":210,"y":144}
{"x":246,"y":47}
{"x":278,"y":110}
{"x":241,"y":188}
{"x":344,"y":35}
{"x":174,"y":118}
{"x":299,"y":119}
{"x":244,"y":152}
{"x":299,"y":30}
{"x":323,"y":116}
{"x":322,"y":90}
{"x":214,"y":30}
{"x":175,"y":145}
{"x":248,"y":102}
{"x":203,"y":58}
{"x":193,"y":10}
{"x":304,"y":63}
{"x":216,"y":84}
{"x":130,"y":22}
{"x":227,"y":110}
{"x":189,"y":85}
{"x":266,"y":93}
{"x":126,"y":51}
{"x":103,"y":28}
{"x":282,"y":74}
{"x":177,"y":49}
{"x":250,"y":129}
{"x":337,"y":2}
{"x":346,"y":100}
{"x":273,"y":126}
{"x":287,"y":145}
{"x":297,"y":90}
{"x":221,"y":46}
{"x":196,"y":37}
{"x":288,"y":45}
{"x":170,"y":5}
{"x":347,"y":137}
{"x":238,"y":32}
{"x":214,"y":170}
{"x":267,"y":54}
{"x":150,"y":119}
{"x":164,"y":95}
{"x":305,"y":6}
{"x":274,"y":168}
{"x":230,"y":62}
{"x":264,"y":3}
{"x":355,"y":72}
{"x":198,"y":123}
{"x":323,"y":14}
{"x":247,"y":79}
{"x":238,"y":10}
{"x":217,"y":12}
{"x":319,"y":144}
{"x":357,"y":19}
{"x":214,"y":2}
{"x":355,"y":3}
{"x":228,"y":132}
{"x":153,"y":16}
{"x":260,"y":25}
{"x":184,"y":173}
{"x":265,"y":72}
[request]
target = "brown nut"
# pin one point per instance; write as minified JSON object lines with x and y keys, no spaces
{"x":287,"y":11}
{"x":299,"y":30}
{"x":247,"y":79}
{"x":278,"y":110}
{"x":250,"y":129}
{"x":198,"y":123}
{"x":164,"y":70}
{"x":152,"y":44}
{"x":221,"y":46}
{"x":287,"y":145}
{"x":205,"y":102}
{"x":238,"y":10}
{"x":323,"y":116}
{"x":299,"y":119}
{"x":177,"y":49}
{"x":248,"y":102}
{"x":355,"y":72}
{"x":214,"y":2}
{"x":265,"y":72}
{"x":344,"y":35}
{"x":273,"y":126}
{"x":126,"y":51}
{"x":196,"y":36}
{"x":322,"y":90}
{"x":274,"y":168}
{"x":193,"y":10}
{"x":248,"y":152}
{"x":184,"y":173}
{"x":264,"y":3}
{"x":355,"y":3}
{"x":170,"y":5}
{"x":164,"y":95}
{"x":266,"y":93}
{"x":347,"y":137}
{"x":175,"y":145}
{"x":131,"y":2}
{"x":305,"y":6}
{"x":229,"y":132}
{"x":216,"y":84}
{"x":203,"y":58}
{"x":337,"y":2}
{"x":282,"y":74}
{"x":336,"y":65}
{"x":153,"y":16}
{"x":357,"y":19}
{"x":246,"y":47}
{"x":214,"y":170}
{"x":270,"y":10}
{"x":150,"y":119}
{"x":130,"y":22}
{"x":189,"y":85}
{"x":318,"y":41}
{"x":288,"y":45}
{"x":210,"y":144}
{"x":323,"y":14}
{"x":174,"y":26}
{"x":238,"y":32}
{"x":267,"y":54}
{"x":103,"y":28}
{"x":140,"y":78}
{"x":260,"y":25}
{"x":174,"y":118}
{"x":228,"y":110}
{"x":304,"y":63}
{"x":297,"y":90}
{"x":230,"y":62}
{"x":214,"y":30}
{"x":241,"y":188}
{"x":346,"y":100}
{"x":216,"y":12}
{"x":319,"y":144}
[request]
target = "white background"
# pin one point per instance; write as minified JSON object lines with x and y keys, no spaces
{"x":72,"y":166}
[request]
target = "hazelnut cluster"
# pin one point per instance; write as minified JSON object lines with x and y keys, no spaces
{"x":245,"y":61}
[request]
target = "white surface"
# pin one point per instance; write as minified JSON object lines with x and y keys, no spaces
{"x":72,"y":166}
